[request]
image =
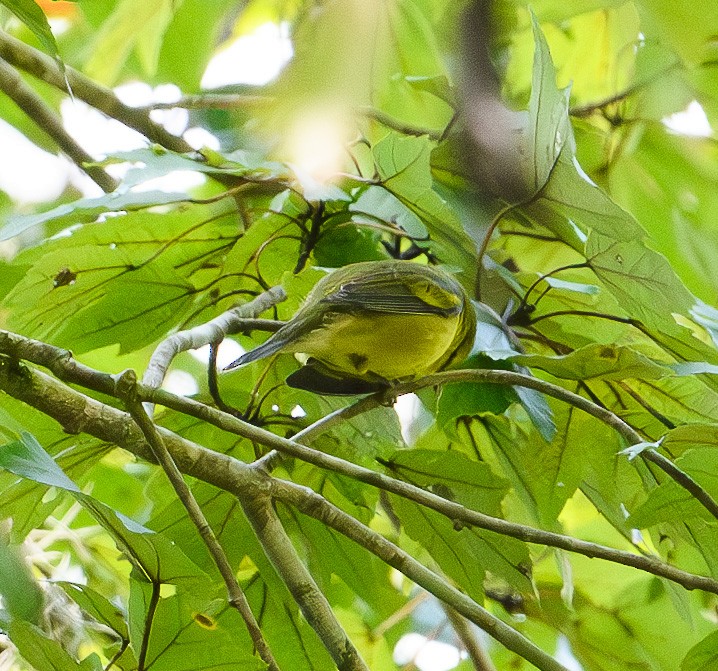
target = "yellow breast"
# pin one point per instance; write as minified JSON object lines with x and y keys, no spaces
{"x":388,"y":346}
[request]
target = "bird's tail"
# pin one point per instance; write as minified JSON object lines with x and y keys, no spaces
{"x":271,"y":346}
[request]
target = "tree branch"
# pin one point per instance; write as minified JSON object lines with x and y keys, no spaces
{"x":126,"y":390}
{"x":631,"y":436}
{"x":38,"y":64}
{"x":314,"y":505}
{"x":478,"y":656}
{"x":13,"y":85}
{"x":78,"y":413}
{"x":259,"y":509}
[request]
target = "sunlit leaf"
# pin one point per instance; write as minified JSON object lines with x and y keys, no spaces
{"x":34,"y":18}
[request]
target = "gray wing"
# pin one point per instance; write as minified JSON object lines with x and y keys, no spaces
{"x":377,"y":294}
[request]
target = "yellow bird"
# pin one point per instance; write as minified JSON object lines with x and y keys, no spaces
{"x":368,"y":325}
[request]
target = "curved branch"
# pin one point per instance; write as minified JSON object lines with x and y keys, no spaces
{"x":213,"y":331}
{"x":259,"y":509}
{"x":79,"y":413}
{"x":469,"y":639}
{"x":609,"y":418}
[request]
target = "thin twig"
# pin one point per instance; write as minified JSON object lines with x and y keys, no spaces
{"x":126,"y":390}
{"x":589,"y":109}
{"x":249,"y":101}
{"x":217,"y":101}
{"x":631,"y":436}
{"x":272,"y":459}
{"x":485,"y":243}
{"x":399,"y":126}
{"x":478,"y":656}
{"x":232,"y":321}
{"x":13,"y":85}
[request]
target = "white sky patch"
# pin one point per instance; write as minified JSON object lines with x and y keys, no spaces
{"x":176,"y":181}
{"x":412,"y":416}
{"x":565,"y":656}
{"x":100,"y":136}
{"x":228,"y":351}
{"x":691,"y":122}
{"x":180,"y":382}
{"x":298,"y":412}
{"x":256,"y":58}
{"x":425,"y":654}
{"x":29,"y":174}
{"x":200,"y":137}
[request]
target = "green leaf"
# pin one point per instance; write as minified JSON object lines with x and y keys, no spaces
{"x":702,"y":656}
{"x":197,"y":23}
{"x":182,"y":638}
{"x":464,"y":554}
{"x":548,"y":126}
{"x":154,"y":555}
{"x":603,"y":362}
{"x":639,"y":278}
{"x":544,"y":475}
{"x":33,"y":17}
{"x":159,"y":296}
{"x":538,"y":410}
{"x":404,"y":165}
{"x":582,"y":205}
{"x":453,"y":476}
{"x":88,"y":209}
{"x":97,"y":607}
{"x":22,"y":597}
{"x":469,"y":399}
{"x":28,"y":503}
{"x":556,"y":283}
{"x":46,"y":654}
{"x":383,"y":206}
{"x":343,"y":244}
{"x":683,"y":438}
{"x":77,"y":289}
{"x":156,"y":161}
{"x":331,"y":554}
{"x":27,"y":459}
{"x":689,"y":30}
{"x":293,"y":641}
{"x":135,"y":25}
{"x":667,"y":503}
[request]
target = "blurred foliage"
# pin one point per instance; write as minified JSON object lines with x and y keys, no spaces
{"x":362,"y":149}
